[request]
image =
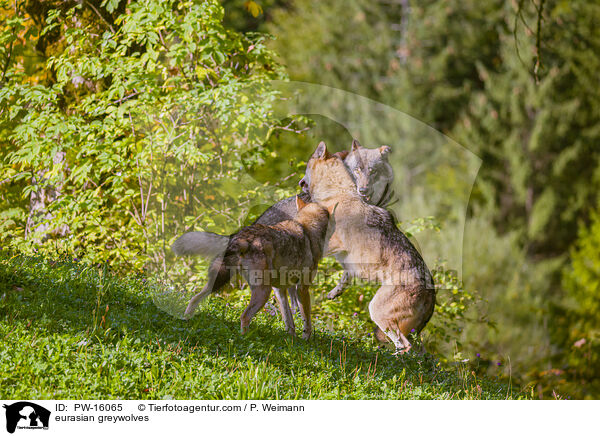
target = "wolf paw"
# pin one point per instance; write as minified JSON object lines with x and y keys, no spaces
{"x":334,"y":293}
{"x":401,"y":351}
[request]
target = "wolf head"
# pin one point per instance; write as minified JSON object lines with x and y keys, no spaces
{"x":326,"y":175}
{"x":371,"y":172}
{"x":369,"y":168}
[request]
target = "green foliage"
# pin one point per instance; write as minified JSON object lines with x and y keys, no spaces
{"x":453,"y":304}
{"x":581,"y":339}
{"x":75,"y":331}
{"x":538,"y":135}
{"x":246,"y":15}
{"x":333,"y":43}
{"x":445,"y":46}
{"x":422,"y":59}
{"x":513,"y":337}
{"x":144,"y":125}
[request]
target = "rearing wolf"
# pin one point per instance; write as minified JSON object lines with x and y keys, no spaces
{"x":369,"y":245}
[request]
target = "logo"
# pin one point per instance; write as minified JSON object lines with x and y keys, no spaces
{"x":26,"y":415}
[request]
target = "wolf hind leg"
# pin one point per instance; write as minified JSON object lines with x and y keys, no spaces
{"x":403,"y":345}
{"x":258,"y":298}
{"x":284,"y":309}
{"x":388,"y":321}
{"x":220,"y":273}
{"x":397,"y":338}
{"x":196,"y":300}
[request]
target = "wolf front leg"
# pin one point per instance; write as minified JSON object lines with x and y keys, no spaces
{"x":340,"y":256}
{"x":340,"y":287}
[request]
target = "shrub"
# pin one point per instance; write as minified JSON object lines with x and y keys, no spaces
{"x":145,"y":123}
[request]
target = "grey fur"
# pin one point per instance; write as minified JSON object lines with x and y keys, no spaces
{"x":205,"y":244}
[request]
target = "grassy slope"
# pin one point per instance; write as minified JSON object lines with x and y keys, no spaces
{"x":70,"y":331}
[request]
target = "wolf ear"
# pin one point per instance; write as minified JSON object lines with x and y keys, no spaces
{"x":342,"y":154}
{"x":321,"y":151}
{"x":355,"y":145}
{"x":385,"y":150}
{"x":300,"y":204}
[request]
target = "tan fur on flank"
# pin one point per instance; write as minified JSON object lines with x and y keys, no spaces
{"x":370,"y":246}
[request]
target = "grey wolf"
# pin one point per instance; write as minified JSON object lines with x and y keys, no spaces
{"x":286,"y":253}
{"x":372,"y":173}
{"x":373,"y":178}
{"x":370,"y":246}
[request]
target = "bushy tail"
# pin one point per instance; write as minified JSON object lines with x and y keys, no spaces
{"x":205,"y":244}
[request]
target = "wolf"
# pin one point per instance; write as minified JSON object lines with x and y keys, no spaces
{"x":373,"y":177}
{"x":290,"y":249}
{"x":369,"y":245}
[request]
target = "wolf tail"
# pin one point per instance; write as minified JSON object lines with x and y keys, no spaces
{"x":205,"y":244}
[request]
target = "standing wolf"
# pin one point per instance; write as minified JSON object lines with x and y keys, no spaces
{"x":369,"y":245}
{"x":286,"y":253}
{"x":373,"y":177}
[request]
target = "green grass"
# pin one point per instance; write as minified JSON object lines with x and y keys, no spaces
{"x":70,"y":331}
